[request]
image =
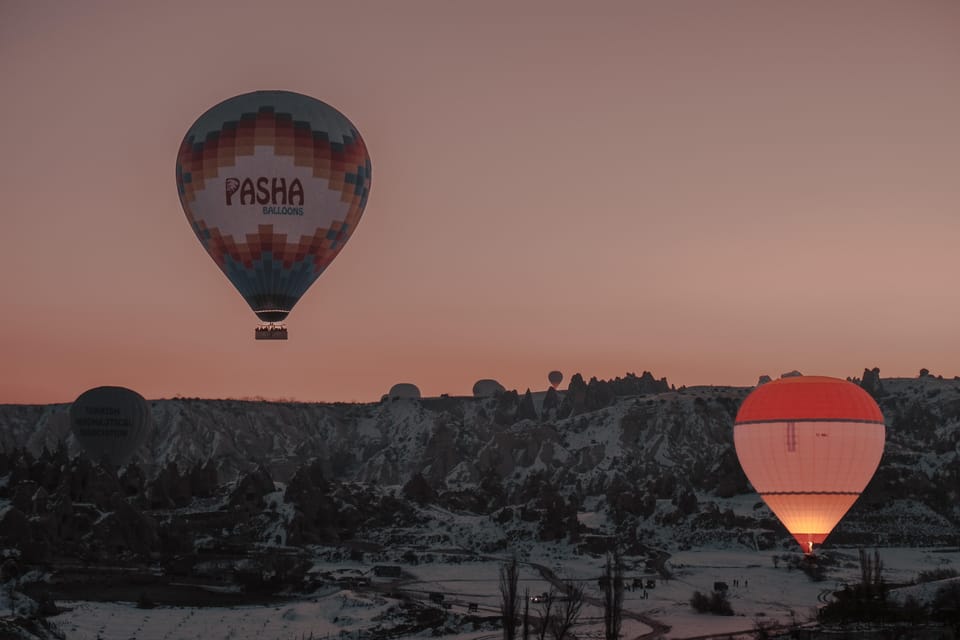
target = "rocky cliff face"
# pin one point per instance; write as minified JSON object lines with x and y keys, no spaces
{"x":657,"y":464}
{"x":445,"y":439}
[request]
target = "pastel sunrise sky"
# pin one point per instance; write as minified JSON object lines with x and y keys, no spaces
{"x":708,"y":190}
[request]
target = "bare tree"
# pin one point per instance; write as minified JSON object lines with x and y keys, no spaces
{"x":612,"y":585}
{"x":545,"y":615}
{"x":871,"y":575}
{"x":9,"y":572}
{"x":509,"y":599}
{"x":568,"y":612}
{"x":526,"y":614}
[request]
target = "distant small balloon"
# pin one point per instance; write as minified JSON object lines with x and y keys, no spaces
{"x":110,"y":423}
{"x":487,"y":388}
{"x":404,"y":390}
{"x":555,"y":378}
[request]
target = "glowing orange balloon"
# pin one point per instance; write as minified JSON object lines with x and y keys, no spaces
{"x":809,"y":445}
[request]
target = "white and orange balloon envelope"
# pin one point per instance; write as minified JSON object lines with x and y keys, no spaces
{"x":809,"y":445}
{"x":273,"y":184}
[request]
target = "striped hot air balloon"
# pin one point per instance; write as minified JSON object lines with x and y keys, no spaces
{"x":273,"y":184}
{"x":809,"y":445}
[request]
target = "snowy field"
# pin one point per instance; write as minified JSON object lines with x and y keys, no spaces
{"x":758,"y":591}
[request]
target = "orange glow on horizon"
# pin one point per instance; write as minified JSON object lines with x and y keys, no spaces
{"x":709,"y":195}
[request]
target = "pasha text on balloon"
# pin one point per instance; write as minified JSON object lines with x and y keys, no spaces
{"x":273,"y":191}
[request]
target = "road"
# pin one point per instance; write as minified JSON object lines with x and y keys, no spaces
{"x":657,"y":628}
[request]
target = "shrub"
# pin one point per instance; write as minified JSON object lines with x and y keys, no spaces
{"x":715,"y":603}
{"x":700,"y":602}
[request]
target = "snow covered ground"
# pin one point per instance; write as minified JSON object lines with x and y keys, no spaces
{"x":758,"y":591}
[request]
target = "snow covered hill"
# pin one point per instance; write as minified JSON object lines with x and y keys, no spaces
{"x":657,"y":463}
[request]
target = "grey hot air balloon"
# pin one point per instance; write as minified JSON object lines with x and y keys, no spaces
{"x":404,"y":390}
{"x":487,"y":388}
{"x":555,"y":378}
{"x":110,"y":423}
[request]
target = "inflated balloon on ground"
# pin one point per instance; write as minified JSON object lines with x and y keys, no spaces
{"x":809,"y":445}
{"x":110,"y":423}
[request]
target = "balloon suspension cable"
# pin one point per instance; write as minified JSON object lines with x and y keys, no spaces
{"x":270,"y":331}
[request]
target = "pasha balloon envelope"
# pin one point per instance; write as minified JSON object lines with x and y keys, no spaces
{"x":110,"y":423}
{"x":273,"y":184}
{"x":555,"y":378}
{"x":809,"y":445}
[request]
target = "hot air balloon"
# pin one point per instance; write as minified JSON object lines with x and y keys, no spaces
{"x":110,"y":423}
{"x":273,"y":184}
{"x":404,"y":390}
{"x":555,"y":378}
{"x":487,"y":388}
{"x":809,"y":445}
